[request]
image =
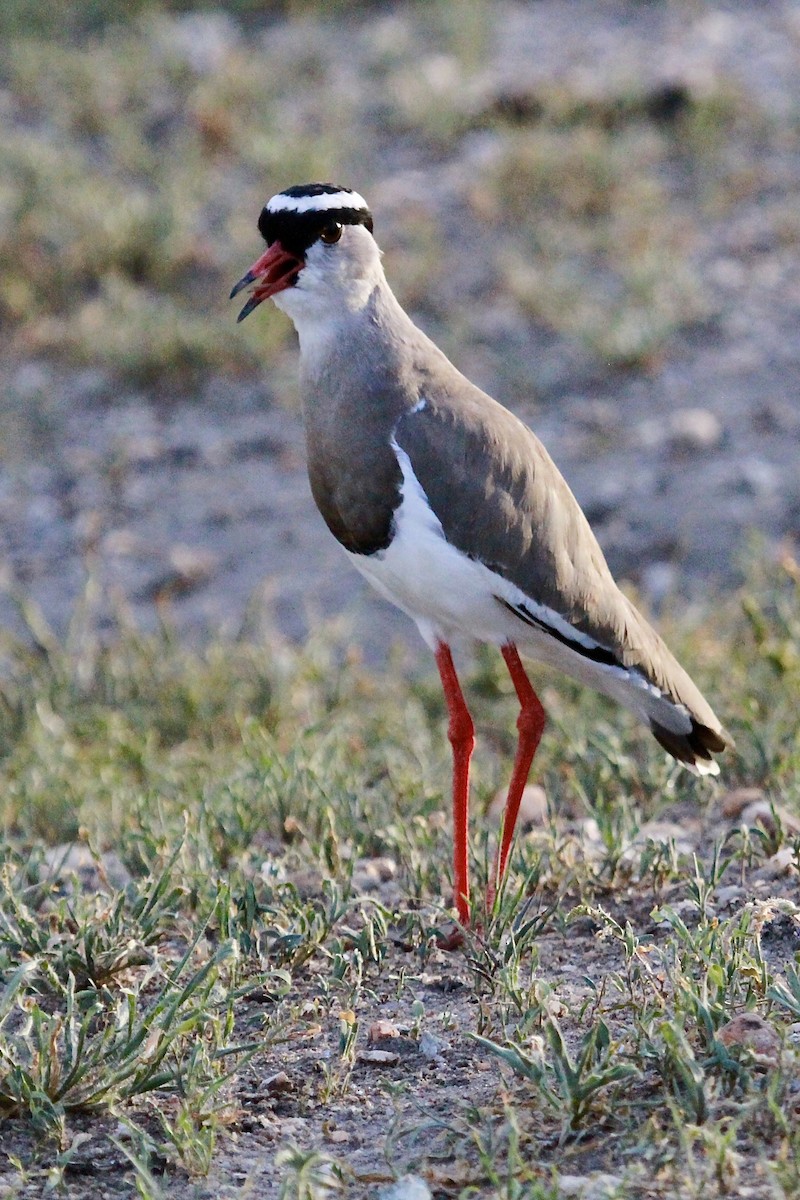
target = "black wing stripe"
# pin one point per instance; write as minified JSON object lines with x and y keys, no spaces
{"x":597,"y":654}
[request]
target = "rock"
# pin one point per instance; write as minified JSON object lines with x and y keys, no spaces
{"x":591,"y":830}
{"x":431,"y":1047}
{"x":589,"y":1187}
{"x":102,"y":873}
{"x":760,"y":812}
{"x":379,"y":1058}
{"x":370,"y":873}
{"x":277,"y":1085}
{"x":782,"y":862}
{"x":685,"y":431}
{"x":189,"y":568}
{"x":381,"y":1031}
{"x":407,"y":1187}
{"x":659,"y":831}
{"x":192,"y":566}
{"x":694,"y":430}
{"x":736,"y":801}
{"x":753,"y":1033}
{"x":532,"y":808}
{"x":726,"y":897}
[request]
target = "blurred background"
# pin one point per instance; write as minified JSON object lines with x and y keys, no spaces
{"x":591,"y":206}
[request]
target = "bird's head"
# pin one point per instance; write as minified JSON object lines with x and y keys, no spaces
{"x":321,"y":256}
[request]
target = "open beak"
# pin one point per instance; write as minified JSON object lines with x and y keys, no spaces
{"x":275,"y":270}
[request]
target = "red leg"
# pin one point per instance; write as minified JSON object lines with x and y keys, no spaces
{"x":461,"y":733}
{"x":530,"y":724}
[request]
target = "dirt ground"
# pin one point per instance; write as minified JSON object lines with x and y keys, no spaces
{"x":399,"y":1108}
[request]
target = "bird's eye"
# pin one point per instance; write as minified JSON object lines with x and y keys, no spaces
{"x":331,"y":234}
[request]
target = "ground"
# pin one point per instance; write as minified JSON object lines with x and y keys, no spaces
{"x":228,"y":874}
{"x":223,"y":766}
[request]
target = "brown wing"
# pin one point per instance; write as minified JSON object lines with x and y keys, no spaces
{"x":501,"y":499}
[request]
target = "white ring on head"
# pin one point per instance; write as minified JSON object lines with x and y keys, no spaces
{"x":321,"y":203}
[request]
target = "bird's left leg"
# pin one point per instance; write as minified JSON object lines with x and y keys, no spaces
{"x":461,"y":733}
{"x":530,"y":725}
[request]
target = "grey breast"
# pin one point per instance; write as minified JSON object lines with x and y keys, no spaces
{"x":352,"y":401}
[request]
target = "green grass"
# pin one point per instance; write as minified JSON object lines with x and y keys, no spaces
{"x":192,"y":904}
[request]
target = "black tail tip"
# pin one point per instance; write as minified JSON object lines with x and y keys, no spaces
{"x":695,"y":749}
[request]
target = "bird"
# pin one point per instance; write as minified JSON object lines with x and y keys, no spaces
{"x":452,"y":508}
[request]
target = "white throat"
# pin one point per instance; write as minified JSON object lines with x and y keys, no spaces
{"x":334,"y":286}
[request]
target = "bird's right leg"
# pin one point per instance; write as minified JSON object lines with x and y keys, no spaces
{"x":530,"y":725}
{"x":461,"y":734}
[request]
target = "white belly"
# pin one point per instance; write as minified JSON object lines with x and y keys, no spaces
{"x":450,"y":596}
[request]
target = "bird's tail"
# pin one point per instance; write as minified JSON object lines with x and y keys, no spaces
{"x":694,"y":749}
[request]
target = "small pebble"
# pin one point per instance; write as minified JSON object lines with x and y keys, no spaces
{"x":589,"y":1187}
{"x":379,"y":1058}
{"x":95,"y":874}
{"x":694,"y":429}
{"x":381,"y":1031}
{"x":660,"y":832}
{"x":753,"y":1033}
{"x":532,"y":807}
{"x":782,"y":862}
{"x":192,"y":566}
{"x":726,"y":896}
{"x":431,"y":1047}
{"x":761,"y":813}
{"x":277,"y":1085}
{"x":407,"y":1187}
{"x":737,"y":800}
{"x":370,"y":873}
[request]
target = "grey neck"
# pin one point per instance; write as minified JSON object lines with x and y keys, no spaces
{"x":375,"y":331}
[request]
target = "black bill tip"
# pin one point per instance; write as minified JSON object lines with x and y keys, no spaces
{"x":252,"y":303}
{"x":244,"y":282}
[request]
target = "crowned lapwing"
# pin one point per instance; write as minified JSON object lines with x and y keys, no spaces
{"x":450,"y":505}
